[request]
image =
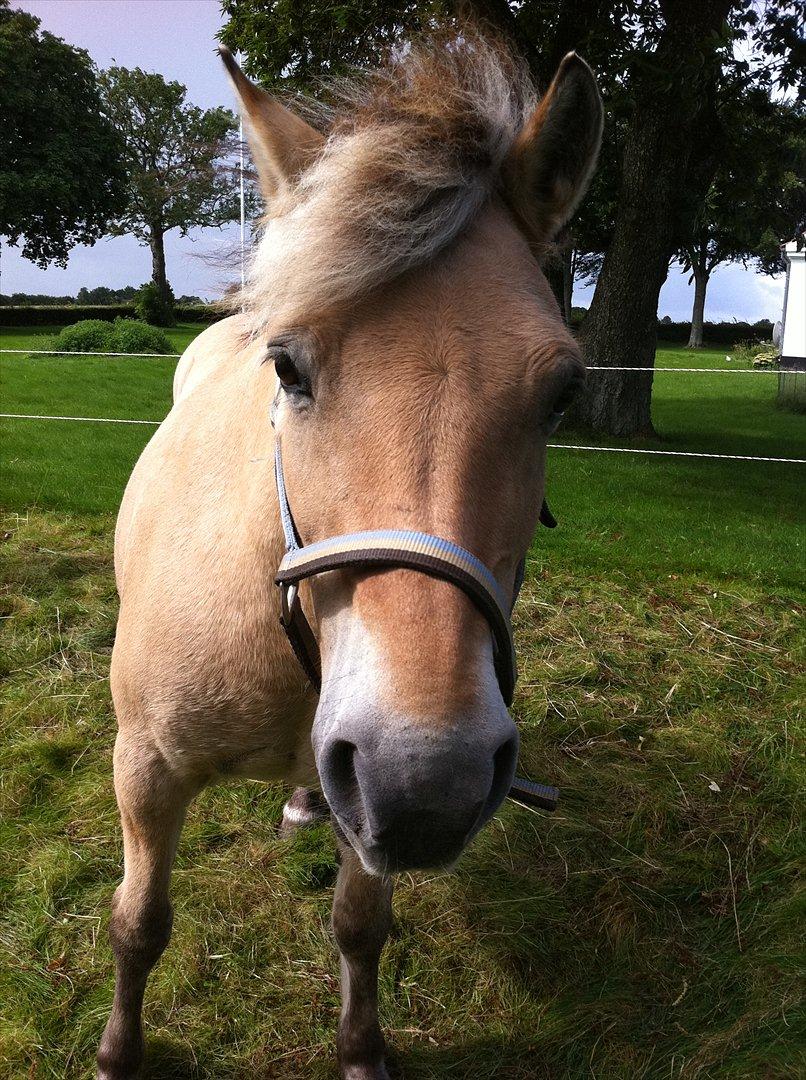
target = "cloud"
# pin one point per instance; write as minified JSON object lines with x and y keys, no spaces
{"x":200,"y":264}
{"x":733,"y":293}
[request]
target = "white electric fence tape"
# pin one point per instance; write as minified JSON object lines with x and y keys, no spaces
{"x":552,"y":446}
{"x":603,"y":367}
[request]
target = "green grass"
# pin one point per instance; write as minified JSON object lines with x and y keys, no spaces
{"x":649,"y":929}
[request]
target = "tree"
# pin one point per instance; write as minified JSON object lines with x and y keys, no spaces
{"x":177,"y":161}
{"x":102,"y":295}
{"x":61,"y":175}
{"x":755,"y":198}
{"x":665,"y":60}
{"x":298,"y":46}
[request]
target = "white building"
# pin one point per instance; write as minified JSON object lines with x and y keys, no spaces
{"x":791,"y":380}
{"x":793,"y":335}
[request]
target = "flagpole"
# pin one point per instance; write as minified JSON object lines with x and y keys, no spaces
{"x":243,"y":211}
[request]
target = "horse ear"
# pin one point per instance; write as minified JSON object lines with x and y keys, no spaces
{"x":548,"y":169}
{"x":282,"y":144}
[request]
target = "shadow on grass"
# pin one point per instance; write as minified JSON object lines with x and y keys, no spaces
{"x":166,"y":1060}
{"x":505,"y":1058}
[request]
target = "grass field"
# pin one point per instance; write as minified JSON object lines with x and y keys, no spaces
{"x":648,"y":929}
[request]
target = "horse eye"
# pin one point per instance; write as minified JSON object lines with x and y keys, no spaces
{"x":286,"y":370}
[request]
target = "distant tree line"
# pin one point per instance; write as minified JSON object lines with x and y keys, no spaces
{"x":99,"y":296}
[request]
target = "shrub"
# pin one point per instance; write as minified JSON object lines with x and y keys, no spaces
{"x":123,"y":335}
{"x":754,"y":354}
{"x":89,"y":335}
{"x":130,"y":336}
{"x":152,"y":307}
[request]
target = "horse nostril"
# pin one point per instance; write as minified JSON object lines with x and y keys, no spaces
{"x":340,"y":782}
{"x":341,"y":762}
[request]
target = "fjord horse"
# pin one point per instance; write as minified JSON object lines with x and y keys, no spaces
{"x":400,"y":341}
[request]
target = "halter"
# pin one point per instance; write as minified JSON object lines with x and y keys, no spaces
{"x":415,"y":551}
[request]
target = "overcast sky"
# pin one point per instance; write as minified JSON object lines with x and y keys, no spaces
{"x":177,"y":38}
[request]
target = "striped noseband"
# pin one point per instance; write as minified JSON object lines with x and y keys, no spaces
{"x":414,"y":551}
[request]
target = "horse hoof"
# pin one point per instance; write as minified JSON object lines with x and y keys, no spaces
{"x":304,"y":809}
{"x":365,"y":1072}
{"x":119,"y":1062}
{"x":107,"y":1071}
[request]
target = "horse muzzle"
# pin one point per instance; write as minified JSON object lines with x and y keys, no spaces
{"x":411,"y":794}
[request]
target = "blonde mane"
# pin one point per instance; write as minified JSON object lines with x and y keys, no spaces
{"x":413,"y":152}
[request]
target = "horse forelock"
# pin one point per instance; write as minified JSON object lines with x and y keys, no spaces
{"x":413,"y":153}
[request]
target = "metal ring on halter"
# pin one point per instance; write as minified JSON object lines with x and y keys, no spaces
{"x":289,"y":600}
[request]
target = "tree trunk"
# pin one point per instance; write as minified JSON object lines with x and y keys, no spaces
{"x":674,"y":94}
{"x":698,"y":312}
{"x":156,"y":242}
{"x":568,"y":280}
{"x":553,"y":269}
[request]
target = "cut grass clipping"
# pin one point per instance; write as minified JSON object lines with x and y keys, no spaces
{"x":649,"y":929}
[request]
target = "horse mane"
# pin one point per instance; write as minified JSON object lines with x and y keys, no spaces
{"x":413,"y":152}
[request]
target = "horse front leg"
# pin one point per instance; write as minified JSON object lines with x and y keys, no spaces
{"x":152,"y":806}
{"x":362,"y":917}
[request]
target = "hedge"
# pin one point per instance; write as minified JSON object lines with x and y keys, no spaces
{"x":63,"y":316}
{"x":722,"y":333}
{"x":69,"y":314}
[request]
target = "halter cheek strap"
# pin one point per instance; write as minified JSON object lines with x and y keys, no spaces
{"x":427,"y":554}
{"x":386,"y":547}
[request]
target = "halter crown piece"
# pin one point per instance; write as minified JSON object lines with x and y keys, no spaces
{"x":415,"y":551}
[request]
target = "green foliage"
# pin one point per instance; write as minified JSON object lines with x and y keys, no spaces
{"x":61,"y":175}
{"x":297,"y":46}
{"x":88,"y":335}
{"x":122,"y":335}
{"x":757,"y":196}
{"x":49,"y":315}
{"x":174,"y":154}
{"x":131,"y":336}
{"x":62,"y":316}
{"x":721,"y":333}
{"x":34,"y":299}
{"x":101,"y":294}
{"x":154,"y":307}
{"x":198,"y":312}
{"x":754,"y":354}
